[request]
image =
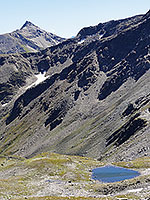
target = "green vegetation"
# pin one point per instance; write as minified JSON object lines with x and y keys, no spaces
{"x":22,"y":178}
{"x":143,"y":162}
{"x":22,"y":175}
{"x":64,"y":198}
{"x":127,"y":196}
{"x":74,"y":168}
{"x":25,"y":49}
{"x":11,"y":137}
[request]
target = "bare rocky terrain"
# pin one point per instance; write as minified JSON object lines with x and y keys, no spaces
{"x":29,"y":38}
{"x":86,"y":96}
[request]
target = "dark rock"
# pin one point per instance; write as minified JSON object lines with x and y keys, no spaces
{"x":126,"y":131}
{"x":76,"y":94}
{"x":129,"y":110}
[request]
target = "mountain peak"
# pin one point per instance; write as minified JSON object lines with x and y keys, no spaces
{"x":27,"y":24}
{"x":147,"y":15}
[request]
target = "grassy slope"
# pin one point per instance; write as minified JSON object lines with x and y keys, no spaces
{"x":17,"y":176}
{"x":23,"y":178}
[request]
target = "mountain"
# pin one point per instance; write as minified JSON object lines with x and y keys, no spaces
{"x":87,"y":96}
{"x":29,"y":38}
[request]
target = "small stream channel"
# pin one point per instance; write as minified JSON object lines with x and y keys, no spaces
{"x":109,"y":174}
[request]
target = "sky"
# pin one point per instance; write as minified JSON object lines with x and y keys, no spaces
{"x":66,"y":17}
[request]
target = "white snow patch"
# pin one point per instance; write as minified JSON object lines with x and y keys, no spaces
{"x":101,"y":36}
{"x":40,"y":78}
{"x":5,"y":104}
{"x":80,"y":42}
{"x":136,"y":190}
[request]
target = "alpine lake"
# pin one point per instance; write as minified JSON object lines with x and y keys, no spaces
{"x":110,"y":174}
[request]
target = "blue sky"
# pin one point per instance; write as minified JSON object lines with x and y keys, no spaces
{"x":66,"y":17}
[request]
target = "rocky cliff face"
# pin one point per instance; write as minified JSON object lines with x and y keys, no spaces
{"x":29,"y":38}
{"x":93,"y":98}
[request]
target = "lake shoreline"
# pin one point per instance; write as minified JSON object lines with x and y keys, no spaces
{"x":113,"y":173}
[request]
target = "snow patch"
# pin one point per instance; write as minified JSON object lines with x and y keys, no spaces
{"x":81,"y":41}
{"x":100,"y":36}
{"x":136,"y":190}
{"x":40,"y":78}
{"x":5,"y":104}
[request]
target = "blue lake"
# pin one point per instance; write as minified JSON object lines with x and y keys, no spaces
{"x":109,"y":174}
